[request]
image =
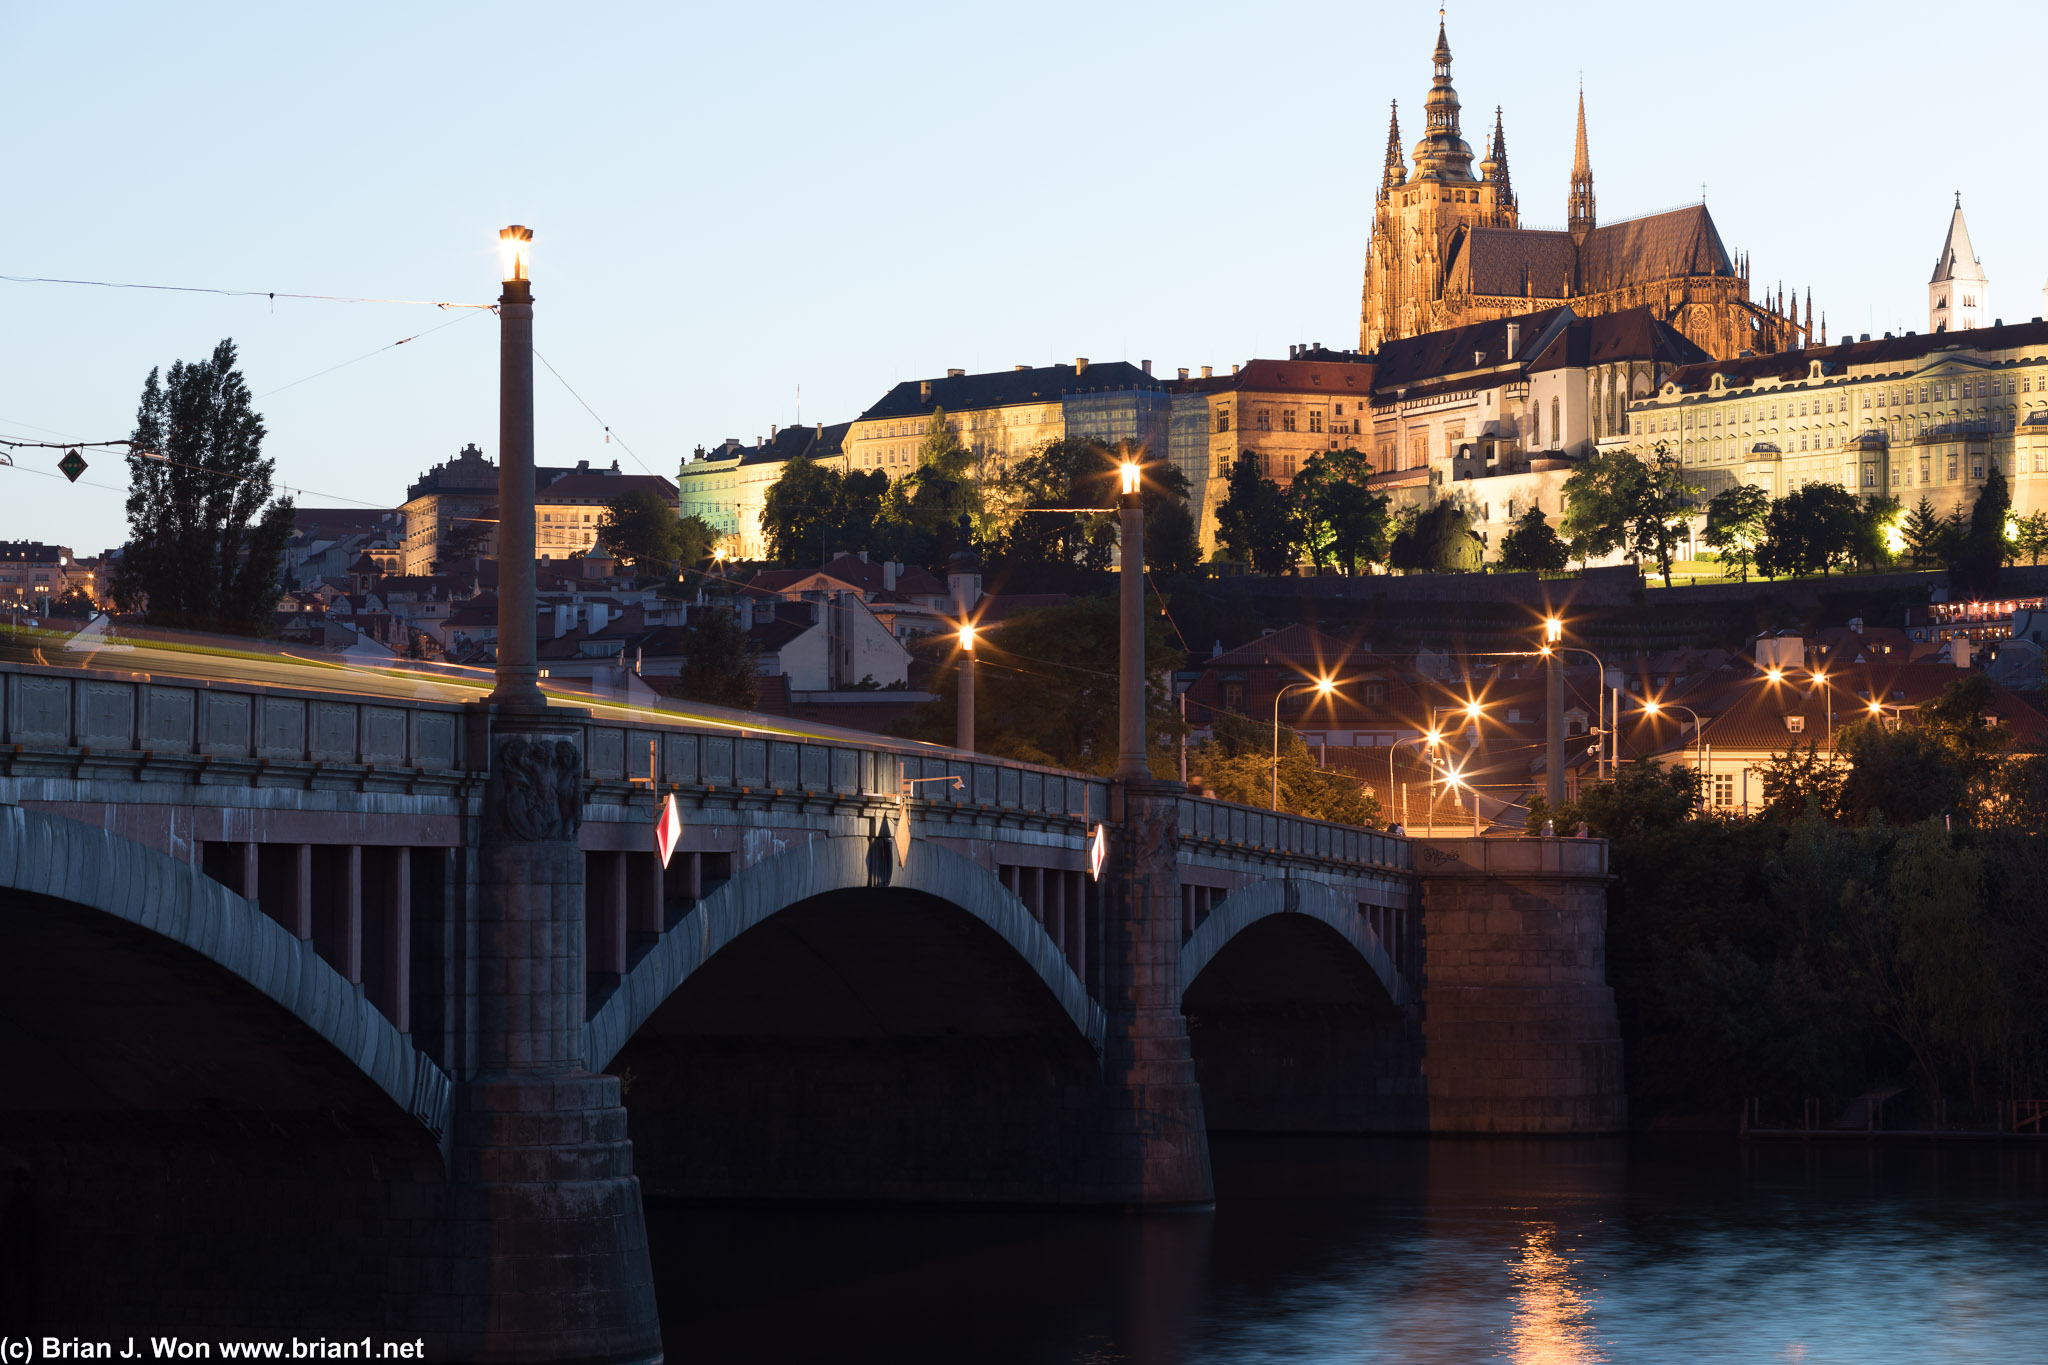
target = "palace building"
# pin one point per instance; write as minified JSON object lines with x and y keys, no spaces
{"x":1449,"y":250}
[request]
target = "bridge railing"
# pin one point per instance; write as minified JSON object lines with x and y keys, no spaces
{"x":1228,"y":825}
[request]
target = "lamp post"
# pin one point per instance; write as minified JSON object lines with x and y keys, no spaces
{"x":1651,"y":707}
{"x":963,"y":735}
{"x":1130,"y":756}
{"x":1553,"y":713}
{"x":1322,"y":687}
{"x":1430,"y":740}
{"x":518,"y":675}
{"x":1550,"y":651}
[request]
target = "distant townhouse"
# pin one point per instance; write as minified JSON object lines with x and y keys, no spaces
{"x":569,"y":510}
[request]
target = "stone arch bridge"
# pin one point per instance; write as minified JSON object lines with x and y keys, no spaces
{"x":248,"y":980}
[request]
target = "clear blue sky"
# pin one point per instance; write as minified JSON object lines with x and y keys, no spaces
{"x":731,"y":200}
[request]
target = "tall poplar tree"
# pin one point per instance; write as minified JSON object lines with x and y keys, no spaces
{"x":204,"y":534}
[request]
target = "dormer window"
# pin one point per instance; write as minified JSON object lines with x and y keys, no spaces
{"x":1795,"y":724}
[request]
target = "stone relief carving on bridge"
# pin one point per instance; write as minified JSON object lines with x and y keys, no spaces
{"x":539,"y":788}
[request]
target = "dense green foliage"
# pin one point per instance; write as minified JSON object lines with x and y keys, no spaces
{"x":719,"y":667}
{"x":1255,"y":522}
{"x":1735,"y":523}
{"x":641,"y":529}
{"x":1437,"y":539}
{"x":1619,"y":500}
{"x":1882,"y":923}
{"x":204,"y":536}
{"x":1534,"y":546}
{"x":1237,"y":764}
{"x":1046,"y":688}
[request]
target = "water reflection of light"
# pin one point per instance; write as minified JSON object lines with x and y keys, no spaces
{"x":1553,"y":1322}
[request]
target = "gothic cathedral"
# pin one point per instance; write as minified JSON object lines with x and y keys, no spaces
{"x":1448,"y":249}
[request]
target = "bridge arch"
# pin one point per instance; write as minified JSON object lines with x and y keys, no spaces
{"x":50,"y":861}
{"x":818,"y":868}
{"x":1300,"y":1018}
{"x":1246,"y":907}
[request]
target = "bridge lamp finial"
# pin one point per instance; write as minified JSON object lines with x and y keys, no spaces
{"x":967,"y":636}
{"x":515,"y":246}
{"x":1553,"y":630}
{"x":1129,"y":471}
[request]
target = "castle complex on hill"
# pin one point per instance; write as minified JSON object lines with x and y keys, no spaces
{"x":1448,"y":249}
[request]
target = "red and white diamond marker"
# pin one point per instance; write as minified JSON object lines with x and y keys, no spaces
{"x":1098,"y":849}
{"x":667,"y":830}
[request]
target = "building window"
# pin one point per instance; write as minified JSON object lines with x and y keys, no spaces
{"x":1223,"y":419}
{"x":1952,"y":462}
{"x":1977,"y":467}
{"x":1795,"y":724}
{"x":1724,"y":789}
{"x":1556,"y":427}
{"x":1265,"y":419}
{"x":1287,"y":419}
{"x":1315,"y":419}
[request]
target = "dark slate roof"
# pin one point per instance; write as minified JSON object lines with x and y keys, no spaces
{"x":1539,"y":264}
{"x":1905,"y":351}
{"x":596,"y":485}
{"x":1632,"y":334}
{"x":1414,"y":360}
{"x":1657,"y":246}
{"x":970,"y":391}
{"x":1315,"y":371}
{"x":1523,"y":262}
{"x":789,"y":443}
{"x":912,"y":580}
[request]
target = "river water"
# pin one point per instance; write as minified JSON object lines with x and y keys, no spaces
{"x":1557,"y":1252}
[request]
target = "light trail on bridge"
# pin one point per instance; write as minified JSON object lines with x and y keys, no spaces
{"x":144,"y":652}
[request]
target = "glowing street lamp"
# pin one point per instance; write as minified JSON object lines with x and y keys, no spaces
{"x":963,"y":736}
{"x":1131,"y":764}
{"x":1429,"y":741}
{"x":1653,"y":707}
{"x":1322,"y":687}
{"x":515,"y":247}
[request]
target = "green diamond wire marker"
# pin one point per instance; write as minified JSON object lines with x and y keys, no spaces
{"x":73,"y":464}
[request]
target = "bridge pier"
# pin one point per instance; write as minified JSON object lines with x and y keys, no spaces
{"x":1150,"y":1139}
{"x":548,"y":1240}
{"x":1519,"y":1028}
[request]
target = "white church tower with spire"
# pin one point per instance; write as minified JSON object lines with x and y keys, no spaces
{"x":1958,"y":296}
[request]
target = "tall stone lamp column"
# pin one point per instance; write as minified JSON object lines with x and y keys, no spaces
{"x":1153,"y":1138}
{"x":553,"y":1261}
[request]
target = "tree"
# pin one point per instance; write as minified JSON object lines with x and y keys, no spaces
{"x":1663,"y":498}
{"x":1237,"y":764}
{"x":73,"y":601}
{"x":1340,"y":518}
{"x":463,"y":539}
{"x":1601,"y":496}
{"x":1809,"y":530}
{"x":1877,"y":525}
{"x":1973,"y":570}
{"x":1256,"y":520}
{"x":1533,"y":546}
{"x":1799,"y":782}
{"x":1922,"y":532}
{"x":695,"y":538}
{"x":204,"y":536}
{"x":800,"y":512}
{"x":2031,"y":536}
{"x":1735,"y":523}
{"x":1046,"y":688}
{"x":927,"y":504}
{"x":1042,"y":546}
{"x":641,"y":527}
{"x":1172,"y":545}
{"x":1437,"y":540}
{"x":719,"y":667}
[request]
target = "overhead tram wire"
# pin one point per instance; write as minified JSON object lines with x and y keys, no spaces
{"x":272,"y":294}
{"x":286,"y":488}
{"x":609,"y":434}
{"x":364,"y":356}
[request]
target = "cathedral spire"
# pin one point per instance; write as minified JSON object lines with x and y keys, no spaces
{"x":1495,"y":167}
{"x":1581,"y":214}
{"x":1442,"y":155}
{"x":1396,"y":173}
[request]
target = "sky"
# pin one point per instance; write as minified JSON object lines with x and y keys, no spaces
{"x":740,"y":208}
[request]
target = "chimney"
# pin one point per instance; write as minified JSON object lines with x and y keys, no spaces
{"x":1020,"y":368}
{"x":1183,"y":372}
{"x":1514,"y":338}
{"x":1959,"y":650}
{"x":1233,"y":369}
{"x":1207,"y":373}
{"x":924,"y":388}
{"x":1080,"y":365}
{"x":889,"y":570}
{"x":1145,"y":365}
{"x":863,"y":556}
{"x":1292,"y":350}
{"x":771,"y":431}
{"x":955,"y":374}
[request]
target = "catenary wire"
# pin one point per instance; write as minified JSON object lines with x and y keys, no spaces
{"x":240,"y":293}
